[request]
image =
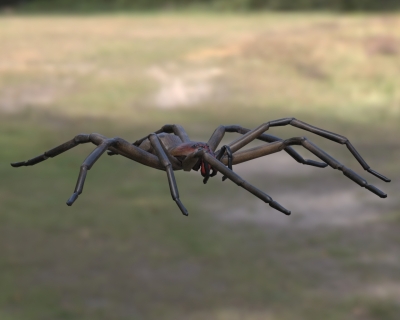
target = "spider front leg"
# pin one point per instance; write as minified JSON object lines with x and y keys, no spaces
{"x":216,"y":164}
{"x":155,"y":142}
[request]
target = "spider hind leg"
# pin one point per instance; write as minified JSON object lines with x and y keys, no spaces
{"x":79,"y":139}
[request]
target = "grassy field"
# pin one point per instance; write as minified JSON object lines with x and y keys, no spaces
{"x":124,"y":251}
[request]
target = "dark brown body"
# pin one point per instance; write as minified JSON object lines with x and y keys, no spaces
{"x":173,"y":144}
{"x":175,"y":148}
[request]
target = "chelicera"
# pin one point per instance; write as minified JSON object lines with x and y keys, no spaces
{"x":170,"y":148}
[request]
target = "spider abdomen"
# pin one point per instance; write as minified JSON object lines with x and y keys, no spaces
{"x":168,"y":140}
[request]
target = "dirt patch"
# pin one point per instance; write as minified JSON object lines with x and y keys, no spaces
{"x":214,"y":53}
{"x":383,"y":290}
{"x":340,"y":208}
{"x":383,"y":45}
{"x":182,"y":88}
{"x":16,"y":98}
{"x":233,"y":314}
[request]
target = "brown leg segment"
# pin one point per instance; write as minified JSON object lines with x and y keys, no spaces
{"x":87,"y":165}
{"x":155,"y":142}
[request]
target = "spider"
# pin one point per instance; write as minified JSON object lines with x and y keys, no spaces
{"x":165,"y":151}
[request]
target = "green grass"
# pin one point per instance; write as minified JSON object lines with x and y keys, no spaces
{"x":124,"y":251}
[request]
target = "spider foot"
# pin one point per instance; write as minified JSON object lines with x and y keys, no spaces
{"x":362,"y":182}
{"x":278,"y":207}
{"x":315,"y":163}
{"x":378,"y":175}
{"x":72,"y":199}
{"x":375,"y":190}
{"x":30,"y":162}
{"x":18,"y":164}
{"x":182,"y":207}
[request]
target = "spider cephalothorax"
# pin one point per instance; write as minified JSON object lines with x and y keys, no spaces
{"x":182,"y":150}
{"x":170,"y":148}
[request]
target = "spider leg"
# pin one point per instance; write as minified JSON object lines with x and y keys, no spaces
{"x":229,"y":154}
{"x":253,"y":134}
{"x":86,"y":165}
{"x":240,"y":181}
{"x":121,"y":147}
{"x":219,"y":155}
{"x":155,"y":142}
{"x":277,"y":146}
{"x":220,"y":132}
{"x":289,"y":150}
{"x":79,"y":139}
{"x":207,"y":172}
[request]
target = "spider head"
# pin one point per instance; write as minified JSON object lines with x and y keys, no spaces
{"x":186,"y":151}
{"x":206,"y":169}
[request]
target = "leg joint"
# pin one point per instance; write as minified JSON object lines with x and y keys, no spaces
{"x":294,"y":141}
{"x":233,"y":128}
{"x":168,"y":128}
{"x":82,"y":138}
{"x":280,"y":122}
{"x":117,"y":140}
{"x":166,"y":164}
{"x":113,"y":141}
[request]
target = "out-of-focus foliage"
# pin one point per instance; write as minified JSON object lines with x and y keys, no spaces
{"x":243,"y":5}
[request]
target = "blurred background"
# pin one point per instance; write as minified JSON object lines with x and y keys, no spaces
{"x":123,"y":250}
